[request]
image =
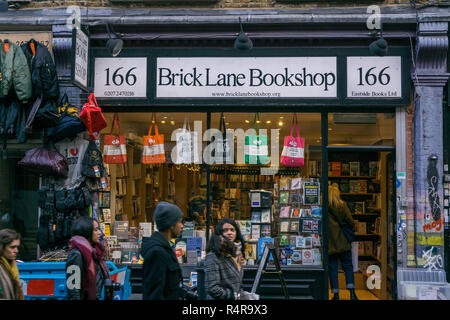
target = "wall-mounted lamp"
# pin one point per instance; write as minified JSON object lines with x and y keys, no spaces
{"x":114,"y":46}
{"x":379,"y":47}
{"x":242,"y":42}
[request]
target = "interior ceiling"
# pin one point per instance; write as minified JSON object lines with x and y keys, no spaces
{"x":309,"y":125}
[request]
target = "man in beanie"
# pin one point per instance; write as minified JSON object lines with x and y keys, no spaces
{"x":162,"y":279}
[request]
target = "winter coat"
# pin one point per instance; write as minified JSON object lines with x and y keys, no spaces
{"x":76,"y":258}
{"x":43,"y":70}
{"x":6,"y":286}
{"x":12,"y":119}
{"x":162,"y":279}
{"x":222,"y":277}
{"x":337,"y":242}
{"x":14,"y":72}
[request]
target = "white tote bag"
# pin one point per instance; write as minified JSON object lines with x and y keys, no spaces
{"x":187,"y":145}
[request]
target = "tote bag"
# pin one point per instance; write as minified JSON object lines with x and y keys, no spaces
{"x":92,"y":117}
{"x":224,"y":152}
{"x":187,"y":146}
{"x":153,"y":146}
{"x":293,"y":154}
{"x":114,"y":149}
{"x":256,"y":146}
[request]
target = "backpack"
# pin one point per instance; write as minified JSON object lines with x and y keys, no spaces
{"x":92,"y":117}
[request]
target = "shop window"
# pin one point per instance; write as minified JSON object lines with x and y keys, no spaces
{"x":290,"y":216}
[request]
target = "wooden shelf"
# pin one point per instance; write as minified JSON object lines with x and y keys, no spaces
{"x":365,"y":214}
{"x":358,"y":194}
{"x":368,"y":235}
{"x":352,"y":177}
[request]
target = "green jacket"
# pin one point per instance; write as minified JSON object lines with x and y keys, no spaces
{"x":337,"y":242}
{"x":14,"y":72}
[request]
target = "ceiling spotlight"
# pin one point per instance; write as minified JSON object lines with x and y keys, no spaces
{"x":114,"y":46}
{"x":172,"y":122}
{"x":268,"y":122}
{"x":379,"y":47}
{"x":247,"y":121}
{"x":242,"y":42}
{"x":257,"y":121}
{"x":280,"y":123}
{"x":163,"y":121}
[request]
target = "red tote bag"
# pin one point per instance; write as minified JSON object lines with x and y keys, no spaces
{"x":92,"y":117}
{"x":153,"y":151}
{"x":115,"y":146}
{"x":293,"y":154}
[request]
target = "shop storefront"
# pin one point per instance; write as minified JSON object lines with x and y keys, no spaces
{"x":345,"y":101}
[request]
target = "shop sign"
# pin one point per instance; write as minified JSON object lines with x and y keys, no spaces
{"x":374,"y":77}
{"x":120,"y":77}
{"x":80,"y":61}
{"x":250,"y":77}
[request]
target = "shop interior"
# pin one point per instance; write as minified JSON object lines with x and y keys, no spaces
{"x":126,"y":206}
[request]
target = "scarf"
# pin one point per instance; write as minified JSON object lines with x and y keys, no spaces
{"x":90,"y":254}
{"x":13,"y":271}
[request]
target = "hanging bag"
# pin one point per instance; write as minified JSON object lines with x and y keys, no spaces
{"x":70,"y":124}
{"x":256,"y":146}
{"x":93,"y":118}
{"x":153,"y":151}
{"x":294,"y":148}
{"x":44,"y":161}
{"x":224,"y":152}
{"x":114,"y":147}
{"x":345,"y":227}
{"x":187,"y":146}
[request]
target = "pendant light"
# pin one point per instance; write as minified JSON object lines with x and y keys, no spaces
{"x":379,"y":47}
{"x":242,"y":42}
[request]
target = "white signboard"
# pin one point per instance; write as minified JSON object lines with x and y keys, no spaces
{"x":374,"y":77}
{"x":254,"y":77}
{"x":81,"y":62}
{"x":120,"y":78}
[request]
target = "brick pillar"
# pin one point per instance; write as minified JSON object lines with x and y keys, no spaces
{"x":429,"y":79}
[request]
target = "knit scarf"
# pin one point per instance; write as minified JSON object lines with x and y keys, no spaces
{"x":13,"y":271}
{"x":90,"y":254}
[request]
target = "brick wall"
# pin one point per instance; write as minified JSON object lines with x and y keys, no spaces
{"x":225,"y":4}
{"x":410,"y":185}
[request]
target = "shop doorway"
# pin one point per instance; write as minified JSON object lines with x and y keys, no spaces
{"x":365,"y":176}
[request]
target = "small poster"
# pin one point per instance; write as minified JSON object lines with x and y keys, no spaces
{"x":307,"y":256}
{"x":284,"y":197}
{"x":311,"y":193}
{"x":300,"y":243}
{"x":188,"y":229}
{"x":296,"y":256}
{"x":284,"y":240}
{"x":296,"y":183}
{"x":284,"y":212}
{"x":255,"y":198}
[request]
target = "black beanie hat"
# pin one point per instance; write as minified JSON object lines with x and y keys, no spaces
{"x":167,"y":215}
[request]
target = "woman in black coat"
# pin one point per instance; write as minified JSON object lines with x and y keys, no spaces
{"x":86,"y":270}
{"x":223,"y":262}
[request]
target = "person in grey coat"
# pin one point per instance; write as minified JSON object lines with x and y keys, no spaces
{"x":223,"y":262}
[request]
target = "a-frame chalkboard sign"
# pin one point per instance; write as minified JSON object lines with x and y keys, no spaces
{"x":269,"y":249}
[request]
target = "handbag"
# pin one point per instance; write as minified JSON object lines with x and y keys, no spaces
{"x":224,"y":152}
{"x":256,"y":146}
{"x":114,"y":147}
{"x":46,"y":162}
{"x":187,"y":146}
{"x":92,"y":117}
{"x":346,"y":229}
{"x":153,"y":151}
{"x":70,"y":124}
{"x":92,"y":163}
{"x":294,"y":148}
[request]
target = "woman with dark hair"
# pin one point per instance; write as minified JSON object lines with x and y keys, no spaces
{"x":86,"y":270}
{"x":10,"y":288}
{"x":223,"y":262}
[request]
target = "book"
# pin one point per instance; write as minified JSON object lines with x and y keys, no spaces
{"x":285,"y":212}
{"x":106,"y":215}
{"x":250,"y":251}
{"x":373,"y":168}
{"x":284,"y":183}
{"x":145,"y":229}
{"x":364,"y":168}
{"x":354,"y":186}
{"x":256,"y":216}
{"x":284,"y":226}
{"x":284,"y":239}
{"x":296,"y":183}
{"x":293,"y":226}
{"x":265,"y":216}
{"x":121,"y":230}
{"x":265,"y":231}
{"x":256,"y":231}
{"x":284,"y":197}
{"x":262,"y":244}
{"x":362,"y":186}
{"x":335,"y":168}
{"x":345,"y":169}
{"x":188,"y":229}
{"x":295,"y":213}
{"x":354,"y":169}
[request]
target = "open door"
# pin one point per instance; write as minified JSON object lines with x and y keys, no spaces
{"x":391,"y":221}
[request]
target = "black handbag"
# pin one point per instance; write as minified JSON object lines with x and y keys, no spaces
{"x":46,"y":117}
{"x":346,"y":229}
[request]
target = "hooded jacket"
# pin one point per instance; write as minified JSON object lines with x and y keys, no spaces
{"x":43,"y":70}
{"x":14,"y":72}
{"x":162,"y":279}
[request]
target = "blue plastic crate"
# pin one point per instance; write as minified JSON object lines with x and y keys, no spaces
{"x":47,"y":280}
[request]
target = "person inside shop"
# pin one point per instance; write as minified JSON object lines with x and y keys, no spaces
{"x":339,"y":248}
{"x":10,"y":287}
{"x":162,"y":279}
{"x":86,"y":269}
{"x":223,"y":262}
